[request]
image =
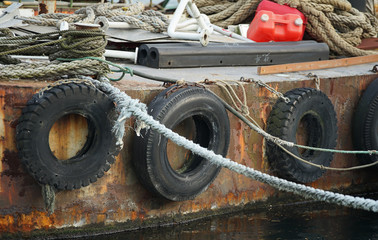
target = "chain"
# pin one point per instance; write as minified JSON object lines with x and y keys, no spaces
{"x":316,"y":80}
{"x":269,"y":88}
{"x":231,"y":94}
{"x":375,"y":69}
{"x":182,"y":84}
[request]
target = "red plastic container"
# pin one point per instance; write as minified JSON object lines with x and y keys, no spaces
{"x":268,"y":26}
{"x":279,"y":9}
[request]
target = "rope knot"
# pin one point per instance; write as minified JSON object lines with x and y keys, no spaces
{"x":245,"y":110}
{"x":180,"y":82}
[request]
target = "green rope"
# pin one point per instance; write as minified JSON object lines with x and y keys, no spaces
{"x":124,"y":70}
{"x":80,"y":43}
{"x":25,"y":49}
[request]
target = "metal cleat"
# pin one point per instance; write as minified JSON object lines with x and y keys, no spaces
{"x":206,"y":29}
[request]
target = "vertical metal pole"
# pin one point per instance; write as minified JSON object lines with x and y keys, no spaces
{"x":46,"y":6}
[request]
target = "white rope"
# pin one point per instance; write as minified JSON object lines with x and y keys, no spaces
{"x":130,"y":107}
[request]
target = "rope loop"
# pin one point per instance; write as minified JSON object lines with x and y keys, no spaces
{"x":138,"y":110}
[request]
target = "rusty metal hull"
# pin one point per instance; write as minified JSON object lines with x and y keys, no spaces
{"x":118,"y":201}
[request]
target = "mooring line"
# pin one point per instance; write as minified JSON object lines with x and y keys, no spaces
{"x":131,"y":107}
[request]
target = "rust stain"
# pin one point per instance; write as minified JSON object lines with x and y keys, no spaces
{"x":265,"y":109}
{"x":7,"y":224}
{"x":119,"y":197}
{"x":264,"y":164}
{"x":68,"y":136}
{"x":101,"y":217}
{"x":141,"y":216}
{"x":242,"y":146}
{"x":43,"y":9}
{"x":35,"y":220}
{"x":2,"y":132}
{"x":331,"y":88}
{"x":26,"y":222}
{"x":11,"y":163}
{"x":134,"y":215}
{"x":263,"y":92}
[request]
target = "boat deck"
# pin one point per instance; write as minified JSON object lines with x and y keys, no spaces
{"x":233,"y":74}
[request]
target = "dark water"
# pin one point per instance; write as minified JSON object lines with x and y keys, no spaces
{"x":302,"y":221}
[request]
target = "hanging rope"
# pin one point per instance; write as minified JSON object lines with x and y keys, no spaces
{"x":130,"y":107}
{"x":240,"y":110}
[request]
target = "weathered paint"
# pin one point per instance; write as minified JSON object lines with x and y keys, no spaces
{"x":117,"y":199}
{"x":2,"y":131}
{"x":66,"y":139}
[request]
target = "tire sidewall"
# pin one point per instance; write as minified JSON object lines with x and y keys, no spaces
{"x":78,"y":166}
{"x":322,"y":113}
{"x":365,"y":123}
{"x":171,"y":110}
{"x":97,"y":153}
{"x":283,"y":122}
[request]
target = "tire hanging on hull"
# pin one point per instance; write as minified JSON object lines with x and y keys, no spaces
{"x":365,"y":123}
{"x":309,"y":117}
{"x":37,"y":119}
{"x":205,"y":121}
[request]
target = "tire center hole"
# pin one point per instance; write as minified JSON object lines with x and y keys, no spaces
{"x":180,"y":159}
{"x":68,"y":136}
{"x":308,"y":133}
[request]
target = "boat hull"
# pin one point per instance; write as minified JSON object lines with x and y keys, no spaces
{"x":117,"y":201}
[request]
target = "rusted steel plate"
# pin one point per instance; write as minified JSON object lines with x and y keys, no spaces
{"x":369,"y":44}
{"x":118,"y":197}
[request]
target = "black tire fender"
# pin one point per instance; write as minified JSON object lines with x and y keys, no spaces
{"x":40,"y":114}
{"x":311,"y":110}
{"x":365,"y":123}
{"x":172,"y":107}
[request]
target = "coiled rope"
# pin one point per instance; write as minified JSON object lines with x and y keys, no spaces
{"x":128,"y":107}
{"x":334,"y":22}
{"x":224,"y":13}
{"x":60,"y":44}
{"x":85,"y":15}
{"x":133,"y":14}
{"x":149,"y":20}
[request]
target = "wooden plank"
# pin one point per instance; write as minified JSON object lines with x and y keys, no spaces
{"x":303,"y":66}
{"x":369,"y":44}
